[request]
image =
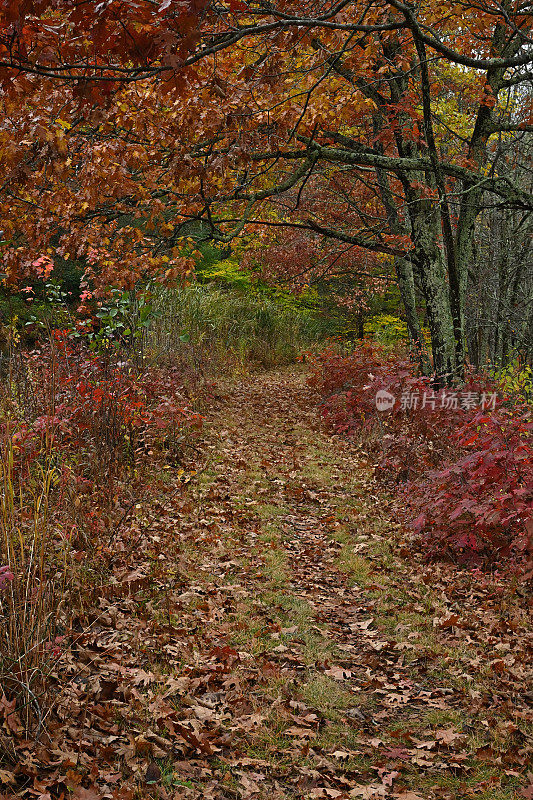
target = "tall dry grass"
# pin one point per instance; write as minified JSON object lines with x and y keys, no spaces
{"x":211,"y":328}
{"x":33,"y":585}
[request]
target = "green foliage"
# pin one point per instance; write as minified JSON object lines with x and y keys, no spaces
{"x":389,"y":330}
{"x":516,"y":378}
{"x":386,"y":329}
{"x":124,"y":319}
{"x":121,"y":320}
{"x":15,"y":312}
{"x":45,"y":303}
{"x":226,"y":273}
{"x":212,"y":255}
{"x":51,"y":309}
{"x":70,"y":273}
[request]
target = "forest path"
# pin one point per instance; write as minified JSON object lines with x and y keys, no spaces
{"x":265,"y":631}
{"x":335,"y":666}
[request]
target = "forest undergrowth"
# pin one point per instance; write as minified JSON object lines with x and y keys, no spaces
{"x":261,"y":626}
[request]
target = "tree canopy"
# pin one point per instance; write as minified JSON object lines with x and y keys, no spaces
{"x":378,"y":126}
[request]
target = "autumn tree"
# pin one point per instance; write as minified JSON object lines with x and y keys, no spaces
{"x":383,"y":126}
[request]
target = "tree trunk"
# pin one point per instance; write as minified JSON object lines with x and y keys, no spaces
{"x":448,"y":354}
{"x":406,"y":283}
{"x":361,"y":324}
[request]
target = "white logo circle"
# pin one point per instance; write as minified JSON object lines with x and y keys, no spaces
{"x":384,"y":400}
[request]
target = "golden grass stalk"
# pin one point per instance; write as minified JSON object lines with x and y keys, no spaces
{"x":31,"y":596}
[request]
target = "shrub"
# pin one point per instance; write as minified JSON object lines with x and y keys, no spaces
{"x":82,"y":439}
{"x":104,"y":421}
{"x":462,"y":465}
{"x":478,"y":504}
{"x":516,"y":377}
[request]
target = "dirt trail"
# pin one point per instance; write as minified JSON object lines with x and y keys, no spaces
{"x":308,"y":488}
{"x":360,"y":673}
{"x":264,"y":632}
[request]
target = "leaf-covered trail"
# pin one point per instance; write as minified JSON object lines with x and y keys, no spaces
{"x":350,"y":671}
{"x":263,"y":631}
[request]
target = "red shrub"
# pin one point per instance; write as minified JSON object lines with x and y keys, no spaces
{"x":99,"y":405}
{"x":463,"y":467}
{"x":101,"y":422}
{"x":478,"y":504}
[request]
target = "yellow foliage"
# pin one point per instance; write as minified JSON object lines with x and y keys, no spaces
{"x":516,"y":377}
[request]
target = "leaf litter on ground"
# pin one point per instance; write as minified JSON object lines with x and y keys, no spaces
{"x":267,"y":631}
